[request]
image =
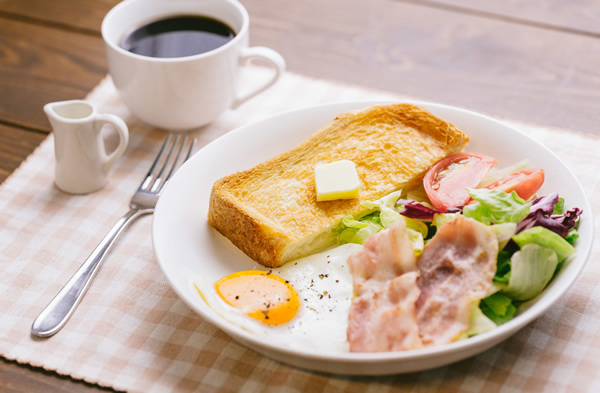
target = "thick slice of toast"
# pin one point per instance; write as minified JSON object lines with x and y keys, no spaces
{"x":271,"y":212}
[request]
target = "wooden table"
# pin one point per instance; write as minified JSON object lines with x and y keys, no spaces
{"x":530,"y":60}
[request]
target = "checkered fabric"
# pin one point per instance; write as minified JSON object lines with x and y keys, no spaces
{"x":131,"y":332}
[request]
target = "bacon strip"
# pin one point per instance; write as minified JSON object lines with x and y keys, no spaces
{"x":384,"y":256}
{"x":385,"y":320}
{"x":456,"y":268}
{"x":382,"y":315}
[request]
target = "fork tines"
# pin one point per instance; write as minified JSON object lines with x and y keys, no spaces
{"x":174,"y":152}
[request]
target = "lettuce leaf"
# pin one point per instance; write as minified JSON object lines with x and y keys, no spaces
{"x":545,"y":238}
{"x":503,"y":268}
{"x":387,"y":213}
{"x":358,"y":231}
{"x":504,"y":233}
{"x":559,"y":207}
{"x":440,"y":219}
{"x":358,"y":236}
{"x":384,"y":214}
{"x":494,"y":206}
{"x":532,"y":269}
{"x":417,"y":226}
{"x":478,"y":322}
{"x":572,"y":236}
{"x":499,"y":308}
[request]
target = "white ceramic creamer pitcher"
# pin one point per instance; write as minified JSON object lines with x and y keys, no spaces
{"x":82,"y":164}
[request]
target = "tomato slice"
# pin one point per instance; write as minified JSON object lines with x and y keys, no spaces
{"x":446,"y":181}
{"x":525,"y":183}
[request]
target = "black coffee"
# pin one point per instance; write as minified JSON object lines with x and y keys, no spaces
{"x":178,"y":36}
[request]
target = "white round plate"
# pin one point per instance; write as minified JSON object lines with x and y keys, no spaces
{"x":186,"y":245}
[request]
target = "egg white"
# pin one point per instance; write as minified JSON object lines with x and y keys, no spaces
{"x":324,"y":286}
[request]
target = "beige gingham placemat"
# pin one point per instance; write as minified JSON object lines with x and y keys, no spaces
{"x":131,"y":332}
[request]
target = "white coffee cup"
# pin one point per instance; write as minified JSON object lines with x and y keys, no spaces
{"x":183,"y":93}
{"x":82,"y":163}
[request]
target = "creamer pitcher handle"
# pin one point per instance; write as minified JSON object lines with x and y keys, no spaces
{"x":122,"y":130}
{"x":274,"y":59}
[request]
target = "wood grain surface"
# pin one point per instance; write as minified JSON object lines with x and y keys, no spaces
{"x":44,"y":64}
{"x":579,"y":17}
{"x":489,"y":65}
{"x":536,"y":61}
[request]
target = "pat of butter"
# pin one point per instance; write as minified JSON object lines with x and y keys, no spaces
{"x":336,"y":180}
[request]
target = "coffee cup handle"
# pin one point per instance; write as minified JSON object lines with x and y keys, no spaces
{"x":268,"y":55}
{"x":123,"y":132}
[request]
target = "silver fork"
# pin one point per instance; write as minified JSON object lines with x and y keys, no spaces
{"x":172,"y":154}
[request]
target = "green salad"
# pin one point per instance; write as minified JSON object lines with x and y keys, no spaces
{"x":534,"y":237}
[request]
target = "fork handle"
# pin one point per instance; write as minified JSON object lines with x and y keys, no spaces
{"x":59,"y":310}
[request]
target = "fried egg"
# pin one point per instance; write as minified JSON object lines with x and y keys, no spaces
{"x":303,"y":304}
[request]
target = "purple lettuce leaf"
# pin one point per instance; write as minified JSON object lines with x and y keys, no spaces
{"x":545,"y":203}
{"x":540,"y":214}
{"x":416,"y":210}
{"x":570,"y":218}
{"x":540,"y":218}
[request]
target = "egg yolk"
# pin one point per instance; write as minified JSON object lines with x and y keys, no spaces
{"x":260,"y":295}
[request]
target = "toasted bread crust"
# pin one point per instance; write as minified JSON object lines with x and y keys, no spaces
{"x":270,"y":211}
